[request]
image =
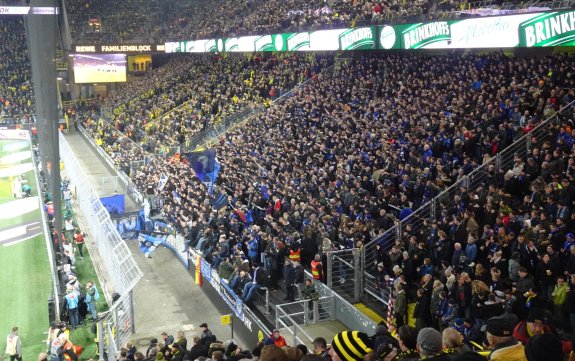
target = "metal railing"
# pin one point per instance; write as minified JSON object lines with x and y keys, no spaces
{"x":122,"y":271}
{"x":343,"y":311}
{"x":420,"y":221}
{"x":118,"y":261}
{"x":294,"y":316}
{"x":344,"y":273}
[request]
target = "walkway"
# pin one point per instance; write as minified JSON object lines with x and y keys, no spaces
{"x":166,"y":298}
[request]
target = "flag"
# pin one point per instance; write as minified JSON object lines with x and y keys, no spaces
{"x":220,"y":200}
{"x":213,"y":175}
{"x":177,"y":198}
{"x":163,"y":181}
{"x":202,"y":163}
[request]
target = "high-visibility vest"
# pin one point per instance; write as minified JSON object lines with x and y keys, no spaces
{"x":314,"y":270}
{"x":295,"y":255}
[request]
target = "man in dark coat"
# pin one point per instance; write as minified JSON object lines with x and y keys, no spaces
{"x":289,"y":279}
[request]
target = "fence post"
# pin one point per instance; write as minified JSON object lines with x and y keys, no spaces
{"x":305,"y":313}
{"x":132,"y":314}
{"x":101,"y":340}
{"x":398,"y":229}
{"x":357,"y":274}
{"x":362,"y":268}
{"x":329,"y":268}
{"x":498,"y":163}
{"x":433,"y":209}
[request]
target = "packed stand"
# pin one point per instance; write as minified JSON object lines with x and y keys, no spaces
{"x":319,"y":171}
{"x":407,"y":344}
{"x":266,"y":17}
{"x":15,"y":88}
{"x":160,"y":21}
{"x":206,"y":89}
{"x":112,"y":22}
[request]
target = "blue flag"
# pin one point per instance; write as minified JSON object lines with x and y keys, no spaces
{"x":202,"y":163}
{"x":213,"y":175}
{"x":220,"y":200}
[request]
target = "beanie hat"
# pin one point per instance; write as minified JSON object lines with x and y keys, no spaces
{"x":352,"y":345}
{"x":544,"y":347}
{"x":429,"y":340}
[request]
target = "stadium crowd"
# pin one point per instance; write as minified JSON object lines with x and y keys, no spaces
{"x":190,"y":93}
{"x":15,"y":95}
{"x":171,"y":20}
{"x":319,"y":172}
{"x":323,"y":170}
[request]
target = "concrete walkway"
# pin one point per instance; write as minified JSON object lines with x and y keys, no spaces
{"x":166,"y":298}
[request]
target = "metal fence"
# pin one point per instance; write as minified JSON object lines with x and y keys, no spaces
{"x":419,"y":222}
{"x":121,"y":269}
{"x":294,"y":316}
{"x":115,"y":327}
{"x":344,"y":311}
{"x":344,"y":273}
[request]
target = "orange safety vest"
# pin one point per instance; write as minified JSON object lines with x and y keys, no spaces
{"x":314,"y":270}
{"x":295,"y":255}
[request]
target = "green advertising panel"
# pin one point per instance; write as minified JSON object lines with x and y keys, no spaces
{"x":520,"y":30}
{"x":357,"y":38}
{"x":548,"y":29}
{"x":424,"y":35}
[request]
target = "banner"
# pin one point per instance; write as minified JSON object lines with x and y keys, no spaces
{"x":119,"y":48}
{"x":548,"y":29}
{"x":205,"y":166}
{"x":114,"y":204}
{"x":149,"y":242}
{"x":520,"y":30}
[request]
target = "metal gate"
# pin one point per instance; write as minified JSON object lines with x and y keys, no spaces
{"x":344,"y":273}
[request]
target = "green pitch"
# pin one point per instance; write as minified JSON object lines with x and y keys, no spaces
{"x":26,"y":278}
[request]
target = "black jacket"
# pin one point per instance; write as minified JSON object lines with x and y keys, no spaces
{"x":289,"y":275}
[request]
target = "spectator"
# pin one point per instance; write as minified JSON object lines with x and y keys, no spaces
{"x":278,"y":339}
{"x":320,"y":348}
{"x":254,"y":285}
{"x":499,"y":333}
{"x":544,"y":347}
{"x":429,"y":345}
{"x":14,"y":345}
{"x":341,"y":346}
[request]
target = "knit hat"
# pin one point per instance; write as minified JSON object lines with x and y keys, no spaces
{"x":429,"y":340}
{"x":544,"y":347}
{"x":352,"y":345}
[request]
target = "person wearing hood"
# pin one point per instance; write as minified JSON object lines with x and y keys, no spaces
{"x":382,"y":336}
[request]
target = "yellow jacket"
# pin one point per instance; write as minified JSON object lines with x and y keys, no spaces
{"x":510,"y":353}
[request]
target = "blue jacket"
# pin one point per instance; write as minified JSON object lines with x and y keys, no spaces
{"x":72,"y":300}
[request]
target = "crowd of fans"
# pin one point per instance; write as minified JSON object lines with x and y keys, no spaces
{"x":319,"y":171}
{"x":15,"y":94}
{"x":189,"y":93}
{"x":407,"y":344}
{"x":160,"y":21}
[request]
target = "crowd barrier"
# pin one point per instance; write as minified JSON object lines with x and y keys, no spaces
{"x":122,"y":273}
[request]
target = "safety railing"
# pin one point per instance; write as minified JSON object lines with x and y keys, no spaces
{"x":121,"y":269}
{"x":118,"y":261}
{"x":294,"y":316}
{"x":419,"y":222}
{"x":344,"y":273}
{"x":343,"y":311}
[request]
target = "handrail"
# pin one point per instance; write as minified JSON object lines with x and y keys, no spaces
{"x":421,"y":212}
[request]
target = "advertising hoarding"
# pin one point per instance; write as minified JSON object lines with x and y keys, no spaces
{"x":521,"y":30}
